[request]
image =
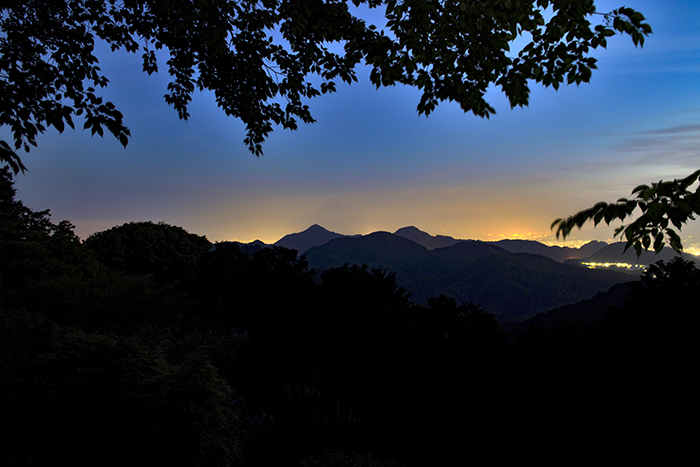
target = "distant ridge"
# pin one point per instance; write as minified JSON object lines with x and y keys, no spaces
{"x":557,"y":253}
{"x":311,"y":237}
{"x":614,"y":253}
{"x":317,"y":235}
{"x":252,"y":247}
{"x":247,"y":248}
{"x":423,"y":238}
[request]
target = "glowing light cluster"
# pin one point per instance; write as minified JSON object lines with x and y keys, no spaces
{"x":569,"y":243}
{"x":616,"y":265}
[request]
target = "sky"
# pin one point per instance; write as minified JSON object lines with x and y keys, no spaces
{"x":370,"y":162}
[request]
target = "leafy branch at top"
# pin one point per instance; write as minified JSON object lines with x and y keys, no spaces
{"x":260,"y":57}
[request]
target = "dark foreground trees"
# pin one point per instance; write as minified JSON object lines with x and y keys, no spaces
{"x":264,"y":362}
{"x":619,"y":389}
{"x":265,"y":59}
{"x":77,"y":379}
{"x":106,"y":400}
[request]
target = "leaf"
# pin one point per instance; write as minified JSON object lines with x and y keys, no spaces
{"x":637,"y":249}
{"x":659,"y":242}
{"x":58,"y":124}
{"x":598,"y":217}
{"x":673,"y":235}
{"x":637,"y":17}
{"x":11,"y":158}
{"x":640,"y":188}
{"x":692,"y":178}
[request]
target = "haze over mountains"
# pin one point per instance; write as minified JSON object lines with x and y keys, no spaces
{"x":513,"y":279}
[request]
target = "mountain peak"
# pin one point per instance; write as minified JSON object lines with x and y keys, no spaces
{"x":315,"y":235}
{"x":316,"y":228}
{"x":408,"y":229}
{"x":425,"y":239}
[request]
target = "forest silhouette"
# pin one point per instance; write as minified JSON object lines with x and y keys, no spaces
{"x":148,"y":345}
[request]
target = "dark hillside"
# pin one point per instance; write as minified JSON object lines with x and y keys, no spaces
{"x":376,"y":250}
{"x":512,"y":286}
{"x":585,"y":312}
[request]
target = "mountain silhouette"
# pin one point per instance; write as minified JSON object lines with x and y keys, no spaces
{"x":423,"y":238}
{"x":317,"y":235}
{"x":302,"y":241}
{"x":376,"y":250}
{"x":557,"y":253}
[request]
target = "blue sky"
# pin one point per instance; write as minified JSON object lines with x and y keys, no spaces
{"x":371,"y":163}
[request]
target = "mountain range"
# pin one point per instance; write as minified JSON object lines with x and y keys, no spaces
{"x":311,"y":237}
{"x":513,"y":279}
{"x":592,"y":252}
{"x":317,"y":235}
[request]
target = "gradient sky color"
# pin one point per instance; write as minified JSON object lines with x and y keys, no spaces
{"x":371,"y":163}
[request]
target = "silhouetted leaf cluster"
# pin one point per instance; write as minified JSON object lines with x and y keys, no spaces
{"x":264,"y":61}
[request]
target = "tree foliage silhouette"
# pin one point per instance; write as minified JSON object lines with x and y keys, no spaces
{"x":32,"y":247}
{"x":660,"y":311}
{"x":99,"y":399}
{"x":166,"y":251}
{"x":265,"y":59}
